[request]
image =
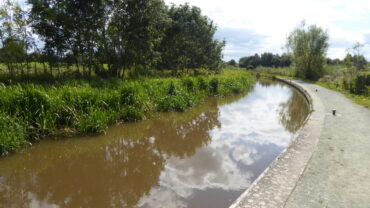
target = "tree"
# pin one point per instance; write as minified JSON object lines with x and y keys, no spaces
{"x":309,"y":46}
{"x":13,"y":52}
{"x":189,"y":41}
{"x":14,"y":36}
{"x":69,"y":26}
{"x":136,"y":30}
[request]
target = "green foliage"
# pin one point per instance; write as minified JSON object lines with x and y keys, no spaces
{"x":135,"y":31}
{"x":309,"y":47}
{"x":189,"y":41}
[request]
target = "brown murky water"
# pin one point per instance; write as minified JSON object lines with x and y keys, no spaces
{"x":205,"y":157}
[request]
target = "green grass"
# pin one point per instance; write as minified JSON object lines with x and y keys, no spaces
{"x":30,"y":112}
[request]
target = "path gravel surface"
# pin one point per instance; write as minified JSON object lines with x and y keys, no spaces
{"x":338,"y":174}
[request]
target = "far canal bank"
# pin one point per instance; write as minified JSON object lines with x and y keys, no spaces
{"x":328,"y":163}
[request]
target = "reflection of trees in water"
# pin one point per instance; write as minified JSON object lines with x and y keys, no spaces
{"x":293,"y":112}
{"x":116,"y":174}
{"x":265,"y":83}
{"x":182,"y":139}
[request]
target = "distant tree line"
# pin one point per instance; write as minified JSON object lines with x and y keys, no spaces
{"x":265,"y":60}
{"x":107,"y":37}
{"x":358,"y":61}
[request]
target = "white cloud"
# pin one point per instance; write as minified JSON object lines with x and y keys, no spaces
{"x":346,"y":21}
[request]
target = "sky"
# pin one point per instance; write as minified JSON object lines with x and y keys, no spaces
{"x":259,"y":26}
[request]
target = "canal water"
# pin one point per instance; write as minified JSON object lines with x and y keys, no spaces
{"x":205,"y":157}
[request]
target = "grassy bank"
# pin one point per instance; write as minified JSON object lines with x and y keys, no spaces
{"x":29,"y":112}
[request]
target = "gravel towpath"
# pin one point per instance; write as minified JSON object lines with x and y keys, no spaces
{"x":338,"y":174}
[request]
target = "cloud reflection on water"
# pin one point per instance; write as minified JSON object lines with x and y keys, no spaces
{"x":250,"y":131}
{"x":213,"y":151}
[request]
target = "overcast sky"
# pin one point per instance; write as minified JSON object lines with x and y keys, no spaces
{"x":255,"y":26}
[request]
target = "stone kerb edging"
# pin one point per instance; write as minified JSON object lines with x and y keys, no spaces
{"x":274,"y":186}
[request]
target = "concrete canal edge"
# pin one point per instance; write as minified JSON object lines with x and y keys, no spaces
{"x":274,"y":186}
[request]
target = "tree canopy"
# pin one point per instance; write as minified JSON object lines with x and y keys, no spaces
{"x":188,"y":41}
